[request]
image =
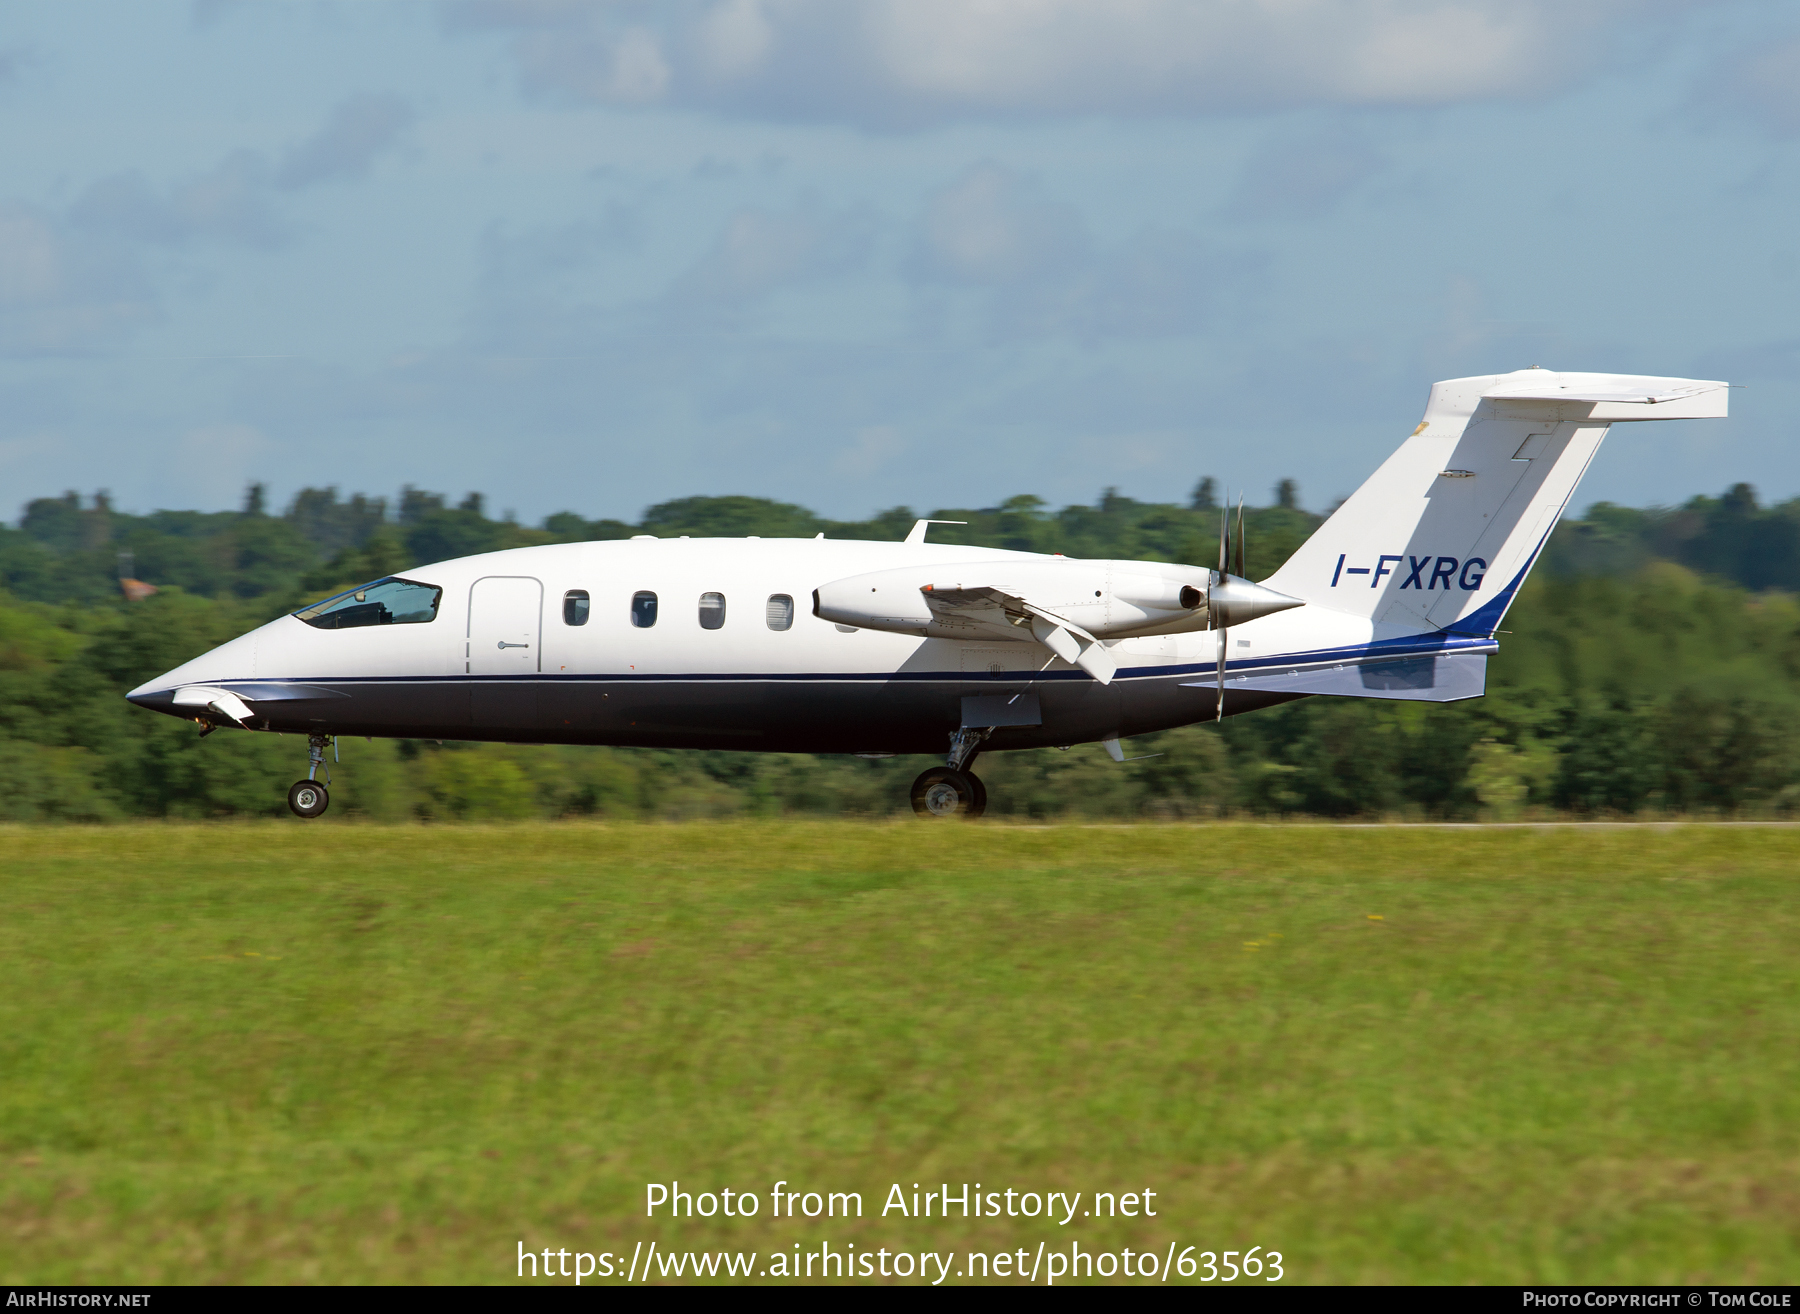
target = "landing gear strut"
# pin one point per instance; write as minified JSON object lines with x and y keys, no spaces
{"x":964,"y":745}
{"x":953,"y":790}
{"x":308,"y":798}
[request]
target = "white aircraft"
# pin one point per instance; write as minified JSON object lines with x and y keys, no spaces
{"x":822,"y":646}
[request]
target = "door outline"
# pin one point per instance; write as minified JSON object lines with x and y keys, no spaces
{"x":469,"y":622}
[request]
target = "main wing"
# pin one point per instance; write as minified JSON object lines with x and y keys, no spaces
{"x":988,"y":612}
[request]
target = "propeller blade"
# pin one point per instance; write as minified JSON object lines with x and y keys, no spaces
{"x":1223,"y":631}
{"x":1219,"y":714}
{"x":1240,"y":538}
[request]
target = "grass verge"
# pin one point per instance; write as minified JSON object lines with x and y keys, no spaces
{"x":260,"y":1052}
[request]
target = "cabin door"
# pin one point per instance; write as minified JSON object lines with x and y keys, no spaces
{"x":505,"y":619}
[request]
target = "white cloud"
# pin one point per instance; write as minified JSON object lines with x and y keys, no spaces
{"x":901,"y":62}
{"x":876,"y":445}
{"x":207,"y":12}
{"x":218,"y":460}
{"x":1304,"y":177}
{"x":356,"y":132}
{"x":996,"y":231}
{"x":1761,"y":84}
{"x":538,"y":262}
{"x":760,"y":251}
{"x":233,"y":202}
{"x":76,"y":280}
{"x":63,"y":291}
{"x":228,"y":203}
{"x":736,"y":37}
{"x":993,"y":226}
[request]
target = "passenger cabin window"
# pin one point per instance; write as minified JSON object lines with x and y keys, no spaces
{"x":391,"y":601}
{"x":575,"y":607}
{"x":643,"y":610}
{"x":712,"y":611}
{"x":780,"y":612}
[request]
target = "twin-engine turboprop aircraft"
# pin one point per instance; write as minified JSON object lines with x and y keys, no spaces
{"x":820,"y":646}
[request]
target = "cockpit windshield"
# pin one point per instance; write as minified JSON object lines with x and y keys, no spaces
{"x":391,"y":601}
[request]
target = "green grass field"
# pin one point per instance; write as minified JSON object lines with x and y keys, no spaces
{"x":268,"y":1053}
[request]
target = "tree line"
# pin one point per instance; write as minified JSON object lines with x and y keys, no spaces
{"x":1653,"y":666}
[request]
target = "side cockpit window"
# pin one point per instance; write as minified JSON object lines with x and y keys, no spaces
{"x":391,"y":601}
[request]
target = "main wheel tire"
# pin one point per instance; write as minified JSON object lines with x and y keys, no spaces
{"x":308,"y":798}
{"x":980,"y":795}
{"x":941,"y":792}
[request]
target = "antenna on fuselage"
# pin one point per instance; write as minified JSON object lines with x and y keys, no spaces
{"x":917,"y":534}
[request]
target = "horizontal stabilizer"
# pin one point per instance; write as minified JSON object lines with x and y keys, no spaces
{"x":1658,"y":393}
{"x":1439,"y":678}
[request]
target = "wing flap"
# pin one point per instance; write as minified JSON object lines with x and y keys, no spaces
{"x":994,"y":611}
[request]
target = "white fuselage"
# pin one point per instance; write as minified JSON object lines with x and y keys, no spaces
{"x":814,"y":686}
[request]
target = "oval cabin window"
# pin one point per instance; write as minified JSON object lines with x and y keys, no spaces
{"x":643,"y":610}
{"x":712,"y":611}
{"x":780,"y":613}
{"x":575,"y":607}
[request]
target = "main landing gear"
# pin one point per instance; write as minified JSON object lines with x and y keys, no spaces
{"x":952,"y":790}
{"x":942,"y":792}
{"x":308,"y":798}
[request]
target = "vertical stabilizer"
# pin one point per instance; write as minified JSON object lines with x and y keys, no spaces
{"x":1443,"y":534}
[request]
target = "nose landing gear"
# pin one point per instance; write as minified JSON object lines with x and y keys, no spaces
{"x":308,"y":798}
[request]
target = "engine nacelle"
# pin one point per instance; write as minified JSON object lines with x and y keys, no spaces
{"x":1109,"y":599}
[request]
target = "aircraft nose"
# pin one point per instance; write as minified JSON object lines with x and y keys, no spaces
{"x":228,"y":662}
{"x":156,"y":695}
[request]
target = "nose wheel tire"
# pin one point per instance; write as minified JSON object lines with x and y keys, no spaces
{"x":941,"y":793}
{"x":308,"y":798}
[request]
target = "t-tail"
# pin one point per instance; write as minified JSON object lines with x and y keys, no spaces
{"x":1441,"y":536}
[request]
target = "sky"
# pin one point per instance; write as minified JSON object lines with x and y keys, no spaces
{"x":591,"y":256}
